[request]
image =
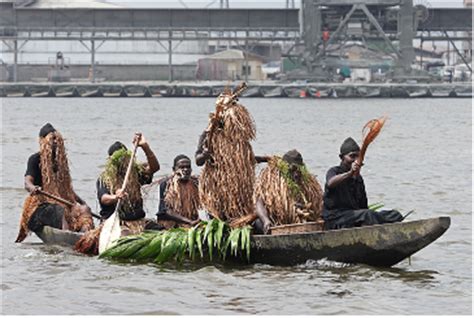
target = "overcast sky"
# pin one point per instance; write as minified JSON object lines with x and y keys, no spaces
{"x":252,"y":3}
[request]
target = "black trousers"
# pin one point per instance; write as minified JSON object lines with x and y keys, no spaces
{"x":46,"y":214}
{"x":340,"y":219}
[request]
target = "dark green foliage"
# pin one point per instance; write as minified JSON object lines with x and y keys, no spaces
{"x":284,"y":168}
{"x":176,"y":244}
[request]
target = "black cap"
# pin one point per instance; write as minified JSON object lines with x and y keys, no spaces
{"x":349,"y":145}
{"x":46,"y":129}
{"x":178,"y":158}
{"x":116,"y":146}
{"x":293,"y":157}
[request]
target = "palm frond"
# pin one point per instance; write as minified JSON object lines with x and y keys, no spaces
{"x":177,"y":244}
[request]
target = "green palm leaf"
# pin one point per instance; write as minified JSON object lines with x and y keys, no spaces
{"x":152,"y":250}
{"x":168,"y":250}
{"x":177,"y":243}
{"x":219,"y":233}
{"x":199,"y":240}
{"x":234,"y":241}
{"x":191,"y":241}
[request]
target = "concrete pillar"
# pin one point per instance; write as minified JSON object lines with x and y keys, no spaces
{"x":449,"y":54}
{"x":92,"y":61}
{"x":246,"y":78}
{"x":406,"y":28}
{"x":170,"y":58}
{"x":421,"y":53}
{"x":312,"y":25}
{"x":15,"y":60}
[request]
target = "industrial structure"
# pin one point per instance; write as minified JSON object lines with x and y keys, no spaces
{"x":310,"y":32}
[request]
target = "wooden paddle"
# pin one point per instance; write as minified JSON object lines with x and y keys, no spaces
{"x":370,"y":131}
{"x":64,"y":201}
{"x":111,"y":230}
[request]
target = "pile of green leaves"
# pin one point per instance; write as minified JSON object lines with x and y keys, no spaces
{"x":215,"y":236}
{"x":284,"y":168}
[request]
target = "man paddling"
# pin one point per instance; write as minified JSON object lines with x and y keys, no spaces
{"x":345,"y":198}
{"x":110,"y":181}
{"x":286,"y":193}
{"x":48,"y":171}
{"x":179,"y":196}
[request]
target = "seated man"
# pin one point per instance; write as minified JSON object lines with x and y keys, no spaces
{"x":179,"y":196}
{"x":286,"y":193}
{"x":345,"y":199}
{"x":109,"y":185}
{"x":48,"y":171}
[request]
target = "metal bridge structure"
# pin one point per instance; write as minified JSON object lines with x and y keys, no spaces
{"x":389,"y":20}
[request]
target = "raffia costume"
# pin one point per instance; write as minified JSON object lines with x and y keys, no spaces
{"x":181,"y":197}
{"x":132,"y":216}
{"x":286,"y":201}
{"x":56,"y":180}
{"x":227,"y":181}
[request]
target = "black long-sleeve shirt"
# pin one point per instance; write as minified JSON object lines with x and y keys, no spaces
{"x":350,"y":194}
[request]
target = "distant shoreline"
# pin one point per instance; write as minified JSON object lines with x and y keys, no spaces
{"x":256,"y":89}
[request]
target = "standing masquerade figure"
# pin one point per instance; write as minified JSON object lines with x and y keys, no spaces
{"x":131,"y":212}
{"x":48,"y":171}
{"x":179,"y":196}
{"x":345,"y":198}
{"x":227,"y":180}
{"x":286,"y":193}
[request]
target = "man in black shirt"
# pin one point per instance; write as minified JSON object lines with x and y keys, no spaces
{"x":345,"y":198}
{"x":110,"y":182}
{"x":48,"y":170}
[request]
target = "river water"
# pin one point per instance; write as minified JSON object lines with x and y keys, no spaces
{"x":421,"y":161}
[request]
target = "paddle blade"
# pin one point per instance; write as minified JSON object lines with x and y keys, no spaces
{"x":110,"y":232}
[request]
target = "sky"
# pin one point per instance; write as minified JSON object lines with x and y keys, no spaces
{"x":252,"y":3}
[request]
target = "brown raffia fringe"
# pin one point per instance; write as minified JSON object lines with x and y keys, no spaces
{"x":80,"y":219}
{"x":272,"y":188}
{"x":57,"y":181}
{"x":55,"y":172}
{"x":244,"y":220}
{"x":29,"y":207}
{"x":168,"y":224}
{"x":89,"y":242}
{"x":132,"y":227}
{"x":183,"y":197}
{"x":226,"y":187}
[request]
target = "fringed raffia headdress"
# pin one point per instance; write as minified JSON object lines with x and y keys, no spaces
{"x":226,"y":185}
{"x":287,"y":201}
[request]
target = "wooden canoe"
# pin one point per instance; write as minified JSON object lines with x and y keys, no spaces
{"x":378,"y":245}
{"x":382,"y":245}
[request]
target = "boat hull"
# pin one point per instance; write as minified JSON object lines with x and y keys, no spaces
{"x":379,"y":245}
{"x":382,"y":245}
{"x":52,"y":236}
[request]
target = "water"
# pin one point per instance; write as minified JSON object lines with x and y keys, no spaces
{"x":421,"y":161}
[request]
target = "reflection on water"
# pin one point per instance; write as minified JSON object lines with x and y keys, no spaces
{"x":398,"y":171}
